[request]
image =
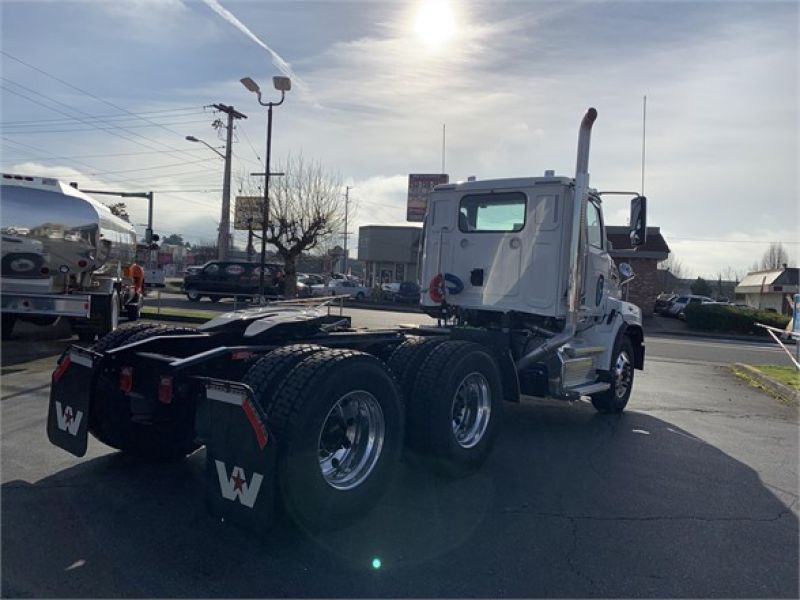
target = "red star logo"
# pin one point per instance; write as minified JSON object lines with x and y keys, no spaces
{"x":68,"y":416}
{"x":238,"y":482}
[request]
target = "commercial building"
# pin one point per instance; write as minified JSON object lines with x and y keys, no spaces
{"x":773,"y":289}
{"x":390,"y":253}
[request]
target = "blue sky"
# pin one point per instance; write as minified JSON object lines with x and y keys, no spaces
{"x":371,"y":94}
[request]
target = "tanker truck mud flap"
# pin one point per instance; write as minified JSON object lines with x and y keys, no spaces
{"x":240,"y":455}
{"x":70,"y":395}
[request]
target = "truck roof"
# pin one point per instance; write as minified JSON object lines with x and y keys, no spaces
{"x":493,"y":184}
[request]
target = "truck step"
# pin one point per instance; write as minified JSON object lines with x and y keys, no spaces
{"x":589,"y":388}
{"x":578,"y":351}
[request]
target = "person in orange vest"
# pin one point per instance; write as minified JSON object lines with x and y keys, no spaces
{"x":135,"y":273}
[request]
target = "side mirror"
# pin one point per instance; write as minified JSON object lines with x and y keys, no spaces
{"x":638,"y":223}
{"x":625,"y":270}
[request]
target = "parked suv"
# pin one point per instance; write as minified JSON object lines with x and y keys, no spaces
{"x":229,"y":279}
{"x":679,"y":304}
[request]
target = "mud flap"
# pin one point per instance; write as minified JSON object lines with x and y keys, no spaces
{"x":240,"y":455}
{"x":70,"y":394}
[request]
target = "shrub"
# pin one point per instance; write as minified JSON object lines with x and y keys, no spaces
{"x":732,"y":319}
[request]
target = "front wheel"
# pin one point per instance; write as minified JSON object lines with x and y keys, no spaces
{"x":615,"y":398}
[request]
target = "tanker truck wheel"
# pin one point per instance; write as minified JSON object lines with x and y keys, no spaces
{"x":337,"y":419}
{"x":454,"y":411}
{"x":110,"y":421}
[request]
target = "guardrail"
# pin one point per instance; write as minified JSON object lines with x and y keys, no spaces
{"x":258,"y":300}
{"x":792,"y":334}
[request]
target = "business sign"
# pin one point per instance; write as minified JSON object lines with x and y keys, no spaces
{"x":796,"y":316}
{"x":247,"y":212}
{"x":419,"y":186}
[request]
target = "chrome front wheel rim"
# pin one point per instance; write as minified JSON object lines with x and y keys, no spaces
{"x":623,"y":375}
{"x":351,"y":440}
{"x":471,"y":409}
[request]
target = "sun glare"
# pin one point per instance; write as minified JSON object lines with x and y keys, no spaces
{"x":435,"y":22}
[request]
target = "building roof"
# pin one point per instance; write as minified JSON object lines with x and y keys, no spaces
{"x":765,"y":281}
{"x":619,"y":236}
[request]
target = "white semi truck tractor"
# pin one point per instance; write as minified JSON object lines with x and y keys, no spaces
{"x":296,"y":406}
{"x":63,"y":257}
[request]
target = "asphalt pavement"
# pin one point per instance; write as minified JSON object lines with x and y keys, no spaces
{"x":692,"y":492}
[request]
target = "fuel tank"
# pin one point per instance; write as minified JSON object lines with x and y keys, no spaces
{"x":51,"y":230}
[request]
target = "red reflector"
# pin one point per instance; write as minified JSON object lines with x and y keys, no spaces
{"x":126,"y":379}
{"x":255,"y":423}
{"x":242,"y":355}
{"x":44,"y":270}
{"x":165,"y":389}
{"x":62,"y":368}
{"x":82,"y":263}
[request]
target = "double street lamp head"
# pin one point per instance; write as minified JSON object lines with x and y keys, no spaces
{"x":282,"y":84}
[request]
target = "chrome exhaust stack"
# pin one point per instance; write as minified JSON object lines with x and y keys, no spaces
{"x":577,"y":245}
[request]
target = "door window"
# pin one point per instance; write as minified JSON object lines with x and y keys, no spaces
{"x":594,"y":225}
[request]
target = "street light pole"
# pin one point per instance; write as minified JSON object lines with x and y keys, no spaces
{"x":282,"y":84}
{"x":346,"y":207}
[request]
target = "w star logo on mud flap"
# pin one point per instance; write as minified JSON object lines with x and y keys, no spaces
{"x":67,"y":420}
{"x":236,"y":486}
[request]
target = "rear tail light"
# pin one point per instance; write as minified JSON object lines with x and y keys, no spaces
{"x":165,"y":389}
{"x":61,"y":368}
{"x":82,"y":263}
{"x":44,"y":270}
{"x":126,"y":379}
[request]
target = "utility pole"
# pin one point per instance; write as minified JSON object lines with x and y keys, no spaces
{"x":224,"y":238}
{"x":346,"y":207}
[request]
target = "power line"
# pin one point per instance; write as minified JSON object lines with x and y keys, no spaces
{"x":109,"y":117}
{"x":82,"y":91}
{"x":114,"y":133}
{"x":116,"y":154}
{"x":247,"y":138}
{"x":14,"y":131}
{"x":717,"y":241}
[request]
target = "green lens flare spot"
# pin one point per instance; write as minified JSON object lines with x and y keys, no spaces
{"x":376,"y":563}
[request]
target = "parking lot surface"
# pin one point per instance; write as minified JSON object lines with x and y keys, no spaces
{"x":691,"y":492}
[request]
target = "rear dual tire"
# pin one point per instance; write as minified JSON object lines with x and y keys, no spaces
{"x":337,"y":417}
{"x":110,"y":418}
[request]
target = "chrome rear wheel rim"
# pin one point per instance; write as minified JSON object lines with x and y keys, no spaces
{"x":351,"y":440}
{"x":471,"y":409}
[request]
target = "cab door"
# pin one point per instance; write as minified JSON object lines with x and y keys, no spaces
{"x":598,"y":261}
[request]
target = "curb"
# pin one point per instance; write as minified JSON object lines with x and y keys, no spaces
{"x":383,"y":307}
{"x":782,"y":391}
{"x":710,"y":336}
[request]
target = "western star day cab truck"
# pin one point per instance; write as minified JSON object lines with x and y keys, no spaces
{"x":63,"y":255}
{"x":294,"y":405}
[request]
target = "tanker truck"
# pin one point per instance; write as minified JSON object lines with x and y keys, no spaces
{"x":64,"y":256}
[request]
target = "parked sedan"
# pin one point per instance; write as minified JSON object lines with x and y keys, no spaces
{"x":340,"y":287}
{"x":663,"y":303}
{"x":679,"y":305}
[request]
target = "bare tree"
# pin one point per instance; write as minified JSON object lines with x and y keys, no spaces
{"x":674,"y":265}
{"x":774,"y":257}
{"x":119,"y":209}
{"x":306,"y":208}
